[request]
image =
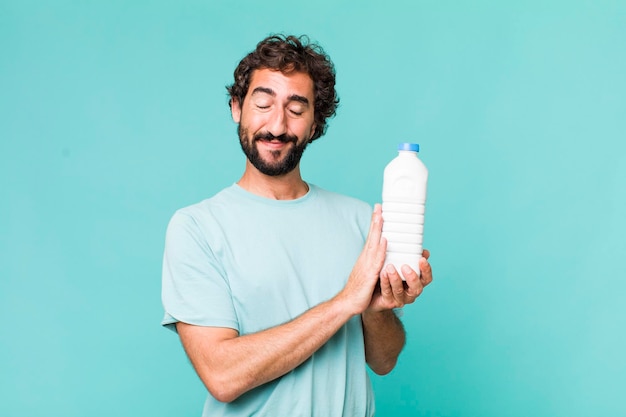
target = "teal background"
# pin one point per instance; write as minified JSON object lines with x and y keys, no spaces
{"x":114,"y":114}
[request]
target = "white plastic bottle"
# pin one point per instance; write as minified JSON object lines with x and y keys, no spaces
{"x":404,"y":199}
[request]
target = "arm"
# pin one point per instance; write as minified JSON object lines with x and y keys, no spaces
{"x":230,"y":365}
{"x":382,"y":330}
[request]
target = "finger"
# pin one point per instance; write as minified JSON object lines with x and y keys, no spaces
{"x":426,"y":253}
{"x":381,"y":253}
{"x":397,"y":286}
{"x":427,"y":272}
{"x":376,"y":228}
{"x":413,"y":282}
{"x":385,"y":287}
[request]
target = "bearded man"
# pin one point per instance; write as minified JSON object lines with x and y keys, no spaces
{"x":275,"y":286}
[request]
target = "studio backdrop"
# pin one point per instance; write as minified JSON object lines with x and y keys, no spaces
{"x":113,"y":114}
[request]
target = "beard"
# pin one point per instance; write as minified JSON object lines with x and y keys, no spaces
{"x":277,"y":165}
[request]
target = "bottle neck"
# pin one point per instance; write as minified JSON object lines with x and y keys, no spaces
{"x":407,"y":154}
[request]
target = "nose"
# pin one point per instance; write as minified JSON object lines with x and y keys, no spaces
{"x":277,"y":122}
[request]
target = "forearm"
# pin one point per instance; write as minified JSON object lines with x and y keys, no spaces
{"x":235,"y":365}
{"x":230,"y":365}
{"x":384,"y":338}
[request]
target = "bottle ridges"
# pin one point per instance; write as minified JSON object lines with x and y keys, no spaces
{"x":403,"y":227}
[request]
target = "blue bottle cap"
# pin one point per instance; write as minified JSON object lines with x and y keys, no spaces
{"x":409,"y":147}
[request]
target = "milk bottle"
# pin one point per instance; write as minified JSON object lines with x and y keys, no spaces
{"x":404,"y":198}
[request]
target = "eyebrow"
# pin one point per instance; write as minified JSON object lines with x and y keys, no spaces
{"x":293,"y":97}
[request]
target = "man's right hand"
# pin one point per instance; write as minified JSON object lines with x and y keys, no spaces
{"x":357,"y":293}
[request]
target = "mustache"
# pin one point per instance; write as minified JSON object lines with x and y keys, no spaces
{"x":284,"y":138}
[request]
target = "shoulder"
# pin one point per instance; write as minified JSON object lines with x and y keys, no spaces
{"x":199,"y":215}
{"x":341,"y":199}
{"x":346,"y":206}
{"x":207,"y":206}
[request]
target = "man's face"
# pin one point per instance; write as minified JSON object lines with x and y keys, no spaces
{"x":276,"y":120}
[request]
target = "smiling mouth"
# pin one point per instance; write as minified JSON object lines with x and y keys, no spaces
{"x":274,"y":145}
{"x":269,"y":138}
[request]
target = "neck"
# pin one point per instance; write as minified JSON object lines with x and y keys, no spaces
{"x":283,"y":187}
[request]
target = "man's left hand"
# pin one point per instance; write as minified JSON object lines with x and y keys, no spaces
{"x":396,"y":293}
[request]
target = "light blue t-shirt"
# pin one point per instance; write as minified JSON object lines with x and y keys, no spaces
{"x":249,"y":263}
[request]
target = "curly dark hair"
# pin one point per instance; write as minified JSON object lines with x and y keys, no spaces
{"x":286,"y":54}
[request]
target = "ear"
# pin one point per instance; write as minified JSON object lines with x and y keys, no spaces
{"x":313,"y":127}
{"x":235,"y":110}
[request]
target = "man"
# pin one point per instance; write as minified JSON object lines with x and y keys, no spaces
{"x":274,"y":285}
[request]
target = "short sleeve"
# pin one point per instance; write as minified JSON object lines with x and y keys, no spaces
{"x":195,"y":288}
